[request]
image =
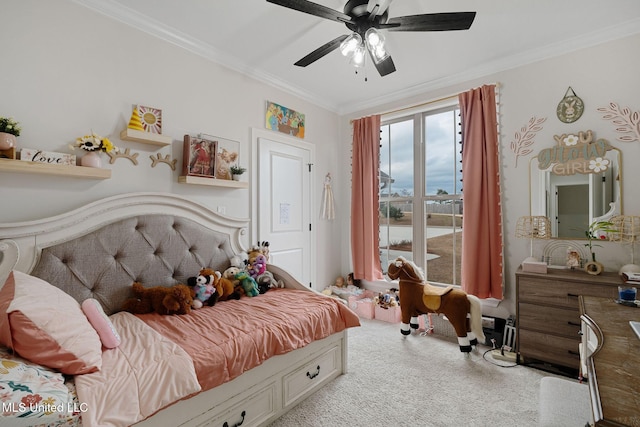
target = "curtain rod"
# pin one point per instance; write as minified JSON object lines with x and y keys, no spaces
{"x":423,"y":104}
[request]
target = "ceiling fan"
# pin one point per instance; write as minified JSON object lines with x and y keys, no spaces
{"x":364,"y":18}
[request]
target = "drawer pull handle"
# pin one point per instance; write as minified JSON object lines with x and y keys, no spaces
{"x":226,"y":424}
{"x":315,"y":374}
{"x":573,"y":295}
{"x":574,"y":323}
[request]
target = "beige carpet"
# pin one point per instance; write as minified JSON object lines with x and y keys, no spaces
{"x":419,"y":381}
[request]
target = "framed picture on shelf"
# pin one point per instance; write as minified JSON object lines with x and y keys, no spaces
{"x":199,"y":157}
{"x":227,"y":155}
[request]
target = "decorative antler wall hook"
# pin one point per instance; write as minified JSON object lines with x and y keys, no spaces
{"x":126,"y":155}
{"x":166,"y":159}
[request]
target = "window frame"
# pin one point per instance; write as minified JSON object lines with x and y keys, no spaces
{"x":420,"y":198}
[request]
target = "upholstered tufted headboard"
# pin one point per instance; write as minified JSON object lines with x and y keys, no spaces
{"x":99,"y":250}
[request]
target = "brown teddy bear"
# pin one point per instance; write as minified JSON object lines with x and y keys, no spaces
{"x":159,"y":299}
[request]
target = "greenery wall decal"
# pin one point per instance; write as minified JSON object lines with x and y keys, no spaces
{"x":627,"y":122}
{"x":525,"y":137}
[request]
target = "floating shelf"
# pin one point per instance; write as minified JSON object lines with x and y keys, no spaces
{"x":145,"y":137}
{"x":198,"y":180}
{"x":20,"y":166}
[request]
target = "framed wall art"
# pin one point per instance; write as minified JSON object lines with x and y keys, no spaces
{"x":285,"y":120}
{"x":227,"y":155}
{"x":146,"y":119}
{"x":199,"y":157}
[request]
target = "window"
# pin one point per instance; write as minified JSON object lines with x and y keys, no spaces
{"x":420,"y":193}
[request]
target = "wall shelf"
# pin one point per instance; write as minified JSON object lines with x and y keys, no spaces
{"x":19,"y":166}
{"x":145,"y":137}
{"x":198,"y":180}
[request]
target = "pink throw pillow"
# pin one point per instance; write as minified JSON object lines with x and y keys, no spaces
{"x":45,"y":325}
{"x":101,"y":323}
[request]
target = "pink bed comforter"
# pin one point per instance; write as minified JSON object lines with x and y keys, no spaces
{"x":234,"y":336}
{"x":127,"y":388}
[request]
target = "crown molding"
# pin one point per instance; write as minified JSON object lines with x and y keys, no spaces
{"x":128,"y":16}
{"x":139,"y":21}
{"x":615,"y":32}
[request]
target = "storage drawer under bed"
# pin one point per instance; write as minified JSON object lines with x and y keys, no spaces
{"x":311,"y":375}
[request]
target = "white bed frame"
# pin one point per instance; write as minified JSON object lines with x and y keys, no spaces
{"x":258,"y":396}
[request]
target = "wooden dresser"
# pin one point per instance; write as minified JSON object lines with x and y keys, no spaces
{"x":548,"y":316}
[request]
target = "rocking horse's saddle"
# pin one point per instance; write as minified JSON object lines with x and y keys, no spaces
{"x":432,"y":295}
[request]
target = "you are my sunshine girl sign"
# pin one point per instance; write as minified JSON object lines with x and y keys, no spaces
{"x":576,"y":154}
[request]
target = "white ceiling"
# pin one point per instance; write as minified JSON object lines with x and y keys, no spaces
{"x":263,"y":40}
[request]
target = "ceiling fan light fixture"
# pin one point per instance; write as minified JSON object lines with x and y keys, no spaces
{"x":373,"y":38}
{"x":350,"y":44}
{"x":357,"y":58}
{"x":375,"y":44}
{"x":364,"y":18}
{"x":379,"y":54}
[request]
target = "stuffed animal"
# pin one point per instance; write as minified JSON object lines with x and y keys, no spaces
{"x":258,"y":266}
{"x":230,"y":274}
{"x":204,"y":294}
{"x":387,"y":299}
{"x":159,"y":299}
{"x":248,"y":284}
{"x":267,"y":281}
{"x":262,"y":248}
{"x":204,"y":289}
{"x":225,"y":288}
{"x":240,"y":260}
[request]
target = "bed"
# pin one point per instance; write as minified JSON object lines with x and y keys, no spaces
{"x":241,"y":362}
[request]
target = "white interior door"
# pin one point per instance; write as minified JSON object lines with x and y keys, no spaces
{"x":284,"y":206}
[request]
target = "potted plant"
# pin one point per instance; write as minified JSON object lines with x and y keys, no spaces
{"x":93,"y":144}
{"x":597,"y":231}
{"x":236,"y":171}
{"x":9,"y":129}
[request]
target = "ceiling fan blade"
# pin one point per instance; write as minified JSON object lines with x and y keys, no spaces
{"x":313,"y":9}
{"x":384,"y":67}
{"x":378,"y":7}
{"x":431,"y":22}
{"x":321,"y":51}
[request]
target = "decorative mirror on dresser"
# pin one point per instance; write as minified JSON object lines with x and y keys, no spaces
{"x":575,"y":182}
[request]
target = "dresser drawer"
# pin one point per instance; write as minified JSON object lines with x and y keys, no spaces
{"x":549,"y":348}
{"x":313,"y":374}
{"x":548,"y":319}
{"x":559,"y":293}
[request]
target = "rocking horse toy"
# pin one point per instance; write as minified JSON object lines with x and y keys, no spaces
{"x":418,"y":297}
